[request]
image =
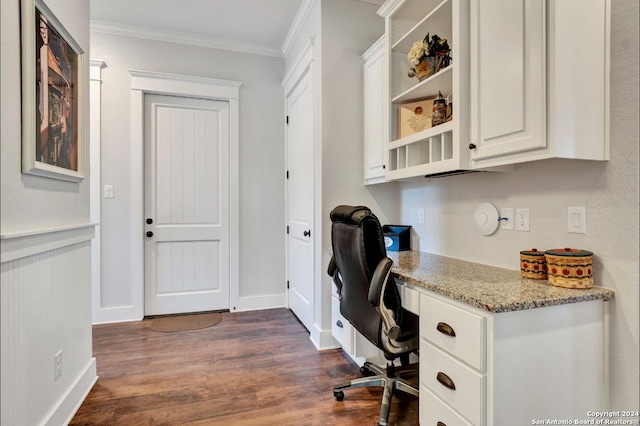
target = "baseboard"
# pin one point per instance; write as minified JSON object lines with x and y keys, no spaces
{"x":116,"y":314}
{"x":75,"y":396}
{"x":255,"y":303}
{"x":323,"y":340}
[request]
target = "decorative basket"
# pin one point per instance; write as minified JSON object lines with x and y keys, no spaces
{"x":570,"y":268}
{"x":533,"y":264}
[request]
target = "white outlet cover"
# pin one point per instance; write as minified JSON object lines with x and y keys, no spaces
{"x":485,"y":218}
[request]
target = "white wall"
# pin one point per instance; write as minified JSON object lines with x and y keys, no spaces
{"x":609,"y":190}
{"x":261,"y":160}
{"x":45,"y":285}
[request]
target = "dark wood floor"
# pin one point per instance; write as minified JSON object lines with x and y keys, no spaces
{"x":253,"y":368}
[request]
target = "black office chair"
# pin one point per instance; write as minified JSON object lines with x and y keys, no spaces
{"x":370,"y":301}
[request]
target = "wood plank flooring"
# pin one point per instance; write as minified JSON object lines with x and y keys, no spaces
{"x":253,"y":368}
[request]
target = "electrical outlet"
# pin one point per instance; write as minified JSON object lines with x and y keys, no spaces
{"x":522,"y":220}
{"x":421,"y":216}
{"x":57,"y":365}
{"x":506,"y":214}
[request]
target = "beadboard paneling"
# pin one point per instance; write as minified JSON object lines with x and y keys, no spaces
{"x":45,"y":299}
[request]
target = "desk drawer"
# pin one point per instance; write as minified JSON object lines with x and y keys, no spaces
{"x":436,"y":368}
{"x":341,"y":329}
{"x":440,"y":321}
{"x":434,"y":412}
{"x":410,"y":298}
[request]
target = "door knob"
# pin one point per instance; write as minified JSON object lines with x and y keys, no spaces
{"x":149,"y":221}
{"x":307,"y":233}
{"x":149,"y":234}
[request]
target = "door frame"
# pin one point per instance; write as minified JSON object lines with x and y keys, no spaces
{"x":150,"y":82}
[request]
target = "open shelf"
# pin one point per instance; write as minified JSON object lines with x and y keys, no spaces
{"x":429,"y":87}
{"x":437,"y":22}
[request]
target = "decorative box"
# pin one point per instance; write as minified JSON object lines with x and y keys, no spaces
{"x":397,"y":237}
{"x":414,"y":117}
{"x":533,"y":264}
{"x":570,"y":268}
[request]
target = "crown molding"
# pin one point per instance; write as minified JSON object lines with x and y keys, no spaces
{"x":389,"y":7}
{"x":182,"y":38}
{"x":301,"y":16}
{"x":376,"y":2}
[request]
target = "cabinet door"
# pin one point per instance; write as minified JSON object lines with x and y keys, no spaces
{"x":374,"y":152}
{"x":507,"y":78}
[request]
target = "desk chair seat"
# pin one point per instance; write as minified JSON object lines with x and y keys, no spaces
{"x":370,"y":301}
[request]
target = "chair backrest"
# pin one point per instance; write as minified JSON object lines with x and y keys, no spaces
{"x":358,"y":246}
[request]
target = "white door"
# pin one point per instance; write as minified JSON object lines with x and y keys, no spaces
{"x":186,"y":205}
{"x":300,"y":199}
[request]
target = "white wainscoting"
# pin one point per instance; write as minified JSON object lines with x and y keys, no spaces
{"x":45,"y":297}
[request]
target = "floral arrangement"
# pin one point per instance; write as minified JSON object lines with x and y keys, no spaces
{"x":430,"y":46}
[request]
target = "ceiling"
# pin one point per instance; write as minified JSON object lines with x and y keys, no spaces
{"x":254,"y":26}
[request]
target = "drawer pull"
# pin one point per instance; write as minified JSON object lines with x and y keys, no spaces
{"x":339,"y":324}
{"x":445,"y":328}
{"x":440,"y":424}
{"x":445,"y":381}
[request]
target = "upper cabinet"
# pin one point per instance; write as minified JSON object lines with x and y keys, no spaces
{"x":374,"y":110}
{"x":434,"y":149}
{"x":527,"y":80}
{"x":539,"y":80}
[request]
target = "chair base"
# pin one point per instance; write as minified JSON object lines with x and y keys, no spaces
{"x":391,"y":379}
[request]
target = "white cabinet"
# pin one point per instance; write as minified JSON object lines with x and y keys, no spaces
{"x":374,"y":143}
{"x":353,"y":343}
{"x":441,"y":148}
{"x":484,"y":369}
{"x":539,"y":80}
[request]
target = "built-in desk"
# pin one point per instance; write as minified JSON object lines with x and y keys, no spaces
{"x":517,"y":350}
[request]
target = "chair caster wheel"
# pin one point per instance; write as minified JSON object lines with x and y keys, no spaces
{"x":366,"y":372}
{"x":338,"y":395}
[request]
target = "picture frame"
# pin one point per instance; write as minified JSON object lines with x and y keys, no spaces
{"x":53,"y":96}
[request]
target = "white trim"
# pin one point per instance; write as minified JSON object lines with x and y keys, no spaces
{"x":299,"y":67}
{"x":296,"y":26}
{"x":390,"y":7}
{"x":142,"y":83}
{"x":95,"y":198}
{"x":253,"y":303}
{"x":68,"y":406}
{"x":183,"y":38}
{"x":323,"y":340}
{"x":28,"y":243}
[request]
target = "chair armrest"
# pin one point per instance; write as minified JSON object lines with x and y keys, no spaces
{"x":376,"y":292}
{"x":333,"y":272}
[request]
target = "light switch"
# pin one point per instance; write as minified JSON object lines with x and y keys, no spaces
{"x":577,"y":220}
{"x":108,"y":191}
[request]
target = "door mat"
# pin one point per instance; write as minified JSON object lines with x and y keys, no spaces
{"x":170,"y":324}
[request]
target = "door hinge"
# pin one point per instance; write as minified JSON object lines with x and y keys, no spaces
{"x":287,"y":174}
{"x":287,"y":119}
{"x":287,"y":284}
{"x":287,"y":229}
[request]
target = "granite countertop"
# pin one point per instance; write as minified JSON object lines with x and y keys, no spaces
{"x":485,"y":287}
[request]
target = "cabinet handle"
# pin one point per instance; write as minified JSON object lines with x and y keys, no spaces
{"x":441,"y":424}
{"x":445,"y":328}
{"x":307,"y":233}
{"x":445,"y":381}
{"x":149,"y":234}
{"x":472,"y":146}
{"x":149,"y":221}
{"x":384,"y":167}
{"x":339,"y":324}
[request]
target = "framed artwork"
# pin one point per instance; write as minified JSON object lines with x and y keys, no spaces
{"x":53,"y":97}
